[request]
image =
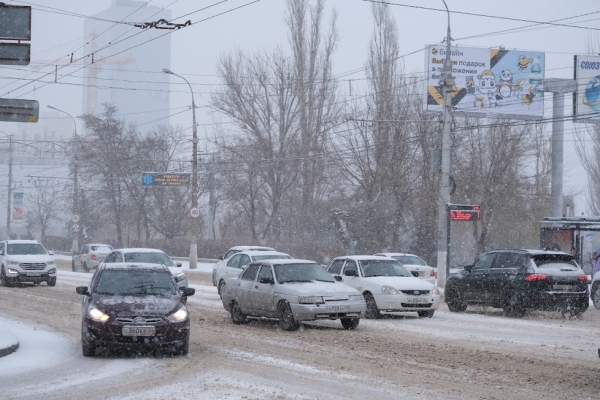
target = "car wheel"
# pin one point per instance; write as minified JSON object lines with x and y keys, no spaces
{"x":286,"y":317}
{"x":221,"y":288}
{"x":512,"y":304}
{"x":51,"y":282}
{"x":237,"y":316}
{"x":350,"y":323}
{"x":596,"y":296}
{"x":86,"y":348}
{"x":3,"y":280}
{"x":426,"y":314}
{"x":372,"y":310}
{"x":455,"y":300}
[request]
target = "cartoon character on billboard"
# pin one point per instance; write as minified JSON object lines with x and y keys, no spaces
{"x":524,"y":61}
{"x":591,"y":97}
{"x":487,"y":87}
{"x":505,"y":84}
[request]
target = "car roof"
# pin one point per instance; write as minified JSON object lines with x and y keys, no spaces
{"x":14,"y":241}
{"x":98,"y":244}
{"x":279,"y":261}
{"x":134,"y":266}
{"x":398,"y":254}
{"x":259,"y":248}
{"x":533,"y":252}
{"x":363,"y":257}
{"x":262,"y":253}
{"x":139,"y":250}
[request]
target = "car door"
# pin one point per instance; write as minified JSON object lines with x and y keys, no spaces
{"x":263,"y":298}
{"x":505,"y":266}
{"x":474,"y":281}
{"x":244,"y":289}
{"x":231,"y":269}
{"x":350,"y":274}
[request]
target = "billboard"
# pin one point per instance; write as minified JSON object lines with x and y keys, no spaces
{"x":586,"y":99}
{"x":17,"y":214}
{"x":488,"y":82}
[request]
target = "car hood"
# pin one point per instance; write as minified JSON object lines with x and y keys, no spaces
{"x":136,"y":305}
{"x":401,"y":283}
{"x":316,"y":288}
{"x":30,"y":258}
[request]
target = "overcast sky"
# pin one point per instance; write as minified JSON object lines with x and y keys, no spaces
{"x":259,"y":26}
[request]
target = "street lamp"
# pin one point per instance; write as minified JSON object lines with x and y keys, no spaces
{"x":193,"y":244}
{"x":75,"y":185}
{"x":8,"y":201}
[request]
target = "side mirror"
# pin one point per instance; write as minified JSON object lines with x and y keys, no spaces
{"x":82,"y":290}
{"x":187,"y":291}
{"x":468,"y":268}
{"x":178,"y":264}
{"x":180,"y":277}
{"x":267,"y":280}
{"x":337,"y":278}
{"x":350,"y":272}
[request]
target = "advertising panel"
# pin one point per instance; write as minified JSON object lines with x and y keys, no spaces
{"x":586,"y":99}
{"x":557,"y":239}
{"x":17,"y":214}
{"x":488,"y":82}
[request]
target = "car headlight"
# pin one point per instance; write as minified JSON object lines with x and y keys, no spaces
{"x":311,"y":300}
{"x":12,"y":271}
{"x":97,"y":315}
{"x":388,"y":290}
{"x":355,"y":297}
{"x":52,"y":271}
{"x":51,"y":262}
{"x":12,"y":262}
{"x":179,"y":315}
{"x":435,"y":290}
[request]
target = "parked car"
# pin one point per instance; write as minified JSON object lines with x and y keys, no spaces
{"x":134,"y":306}
{"x":144,"y":255}
{"x":232,"y":266}
{"x":517,"y":280}
{"x":90,"y":256}
{"x":291,"y":291}
{"x":237,"y":249}
{"x":414,"y":264}
{"x":26,"y":262}
{"x":386,"y":285}
{"x":595,"y":291}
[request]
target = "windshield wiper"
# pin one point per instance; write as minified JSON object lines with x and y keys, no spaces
{"x":297,"y":280}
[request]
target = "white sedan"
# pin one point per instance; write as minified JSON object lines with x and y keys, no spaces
{"x":386,"y":285}
{"x":414,"y":264}
{"x":231,"y":267}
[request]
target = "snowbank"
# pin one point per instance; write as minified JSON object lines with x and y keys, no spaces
{"x":8,"y":343}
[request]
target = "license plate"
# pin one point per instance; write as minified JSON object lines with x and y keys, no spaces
{"x":416,"y":301}
{"x":338,"y":308}
{"x":34,"y":274}
{"x":139,"y":331}
{"x":562,"y":287}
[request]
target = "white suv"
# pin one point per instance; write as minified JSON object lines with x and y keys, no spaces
{"x":26,"y":261}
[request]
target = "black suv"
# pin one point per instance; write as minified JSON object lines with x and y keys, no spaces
{"x":516,"y":280}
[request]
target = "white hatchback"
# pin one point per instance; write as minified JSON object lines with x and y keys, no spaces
{"x":386,"y":285}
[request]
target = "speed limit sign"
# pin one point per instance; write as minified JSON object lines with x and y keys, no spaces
{"x":194,"y":212}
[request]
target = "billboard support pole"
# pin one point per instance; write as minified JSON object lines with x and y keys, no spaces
{"x":444,"y":189}
{"x":8,"y":209}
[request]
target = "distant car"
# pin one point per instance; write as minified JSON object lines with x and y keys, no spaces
{"x":414,"y":264}
{"x":134,"y":306}
{"x":232,"y":266}
{"x":386,"y":285}
{"x":518,"y":280}
{"x":144,"y":255}
{"x":26,"y":262}
{"x":237,"y":249}
{"x":291,"y":291}
{"x":90,"y":256}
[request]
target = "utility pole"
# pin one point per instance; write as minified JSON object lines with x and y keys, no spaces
{"x":8,"y":202}
{"x":444,"y":190}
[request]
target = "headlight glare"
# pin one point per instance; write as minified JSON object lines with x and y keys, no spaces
{"x":12,"y":271}
{"x":435,"y":290}
{"x":311,"y":300}
{"x":97,"y":315}
{"x":179,"y":315}
{"x":388,"y":290}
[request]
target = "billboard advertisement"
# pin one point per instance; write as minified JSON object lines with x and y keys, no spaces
{"x":586,"y":99}
{"x":488,"y":82}
{"x":17,"y":214}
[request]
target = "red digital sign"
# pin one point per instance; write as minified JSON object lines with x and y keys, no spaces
{"x":463,"y":212}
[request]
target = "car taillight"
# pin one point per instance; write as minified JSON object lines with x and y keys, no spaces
{"x":92,"y":256}
{"x":432,"y":273}
{"x":583,"y":278}
{"x":536,"y":277}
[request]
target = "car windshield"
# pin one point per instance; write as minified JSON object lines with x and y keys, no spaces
{"x":372,"y":268}
{"x":25,"y":248}
{"x":104,"y":249}
{"x":270,"y":257}
{"x":153,"y":258}
{"x":554,"y":261}
{"x":132,"y":282}
{"x":410,"y":260}
{"x":301,"y":272}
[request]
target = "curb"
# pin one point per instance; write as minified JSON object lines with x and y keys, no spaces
{"x":8,"y":346}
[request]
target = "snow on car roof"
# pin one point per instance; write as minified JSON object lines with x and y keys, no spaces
{"x":140,"y":250}
{"x":398,"y":254}
{"x":261,"y":248}
{"x":138,"y":265}
{"x":364,"y":257}
{"x":287,"y":261}
{"x":263,"y":253}
{"x":13,"y":241}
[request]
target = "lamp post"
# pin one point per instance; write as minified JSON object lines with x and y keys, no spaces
{"x":75,"y":183}
{"x":193,"y":244}
{"x":444,"y":190}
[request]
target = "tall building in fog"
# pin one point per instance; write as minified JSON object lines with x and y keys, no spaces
{"x":126,"y":63}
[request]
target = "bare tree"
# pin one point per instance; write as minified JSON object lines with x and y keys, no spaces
{"x":45,"y":206}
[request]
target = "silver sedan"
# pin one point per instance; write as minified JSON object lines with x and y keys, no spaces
{"x":291,"y":291}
